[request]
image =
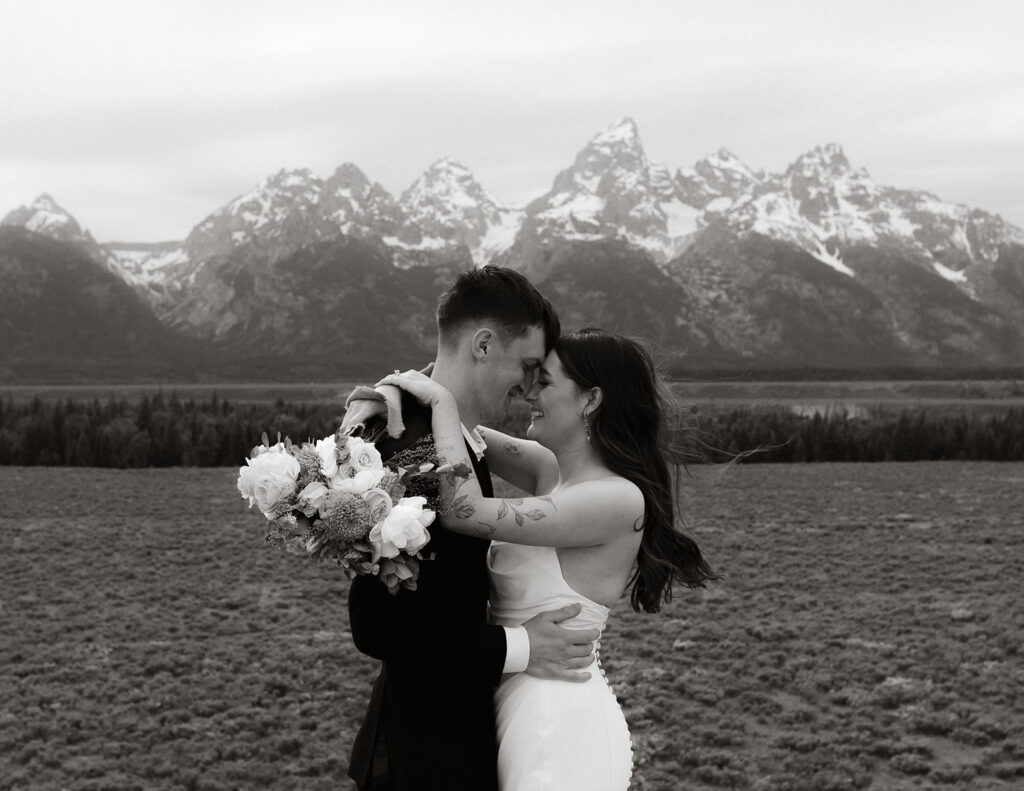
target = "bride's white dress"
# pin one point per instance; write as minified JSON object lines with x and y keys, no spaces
{"x":553,"y":735}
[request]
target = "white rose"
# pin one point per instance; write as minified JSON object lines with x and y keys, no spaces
{"x":327,"y":450}
{"x":312,"y":498}
{"x":358,"y":484}
{"x":268,"y":478}
{"x":248,"y":475}
{"x":404,"y":529}
{"x":363,"y":455}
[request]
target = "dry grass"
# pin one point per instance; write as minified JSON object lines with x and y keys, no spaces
{"x":867,"y":634}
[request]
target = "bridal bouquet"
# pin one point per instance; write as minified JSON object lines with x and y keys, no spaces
{"x":336,"y":500}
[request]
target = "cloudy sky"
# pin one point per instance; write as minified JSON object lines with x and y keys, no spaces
{"x":140,"y":118}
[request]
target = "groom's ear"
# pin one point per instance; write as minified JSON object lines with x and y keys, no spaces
{"x":482,"y":343}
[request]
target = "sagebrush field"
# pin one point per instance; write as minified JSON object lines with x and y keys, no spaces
{"x":867,"y":634}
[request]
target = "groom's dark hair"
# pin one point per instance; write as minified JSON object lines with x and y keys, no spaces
{"x":498,"y":294}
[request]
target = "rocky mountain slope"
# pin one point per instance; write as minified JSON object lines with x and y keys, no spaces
{"x":65,"y":318}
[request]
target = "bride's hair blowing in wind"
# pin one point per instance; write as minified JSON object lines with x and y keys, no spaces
{"x":630,"y":431}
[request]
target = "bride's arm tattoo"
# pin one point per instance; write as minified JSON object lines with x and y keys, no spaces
{"x":513,"y":448}
{"x":514,"y":505}
{"x":463,"y":508}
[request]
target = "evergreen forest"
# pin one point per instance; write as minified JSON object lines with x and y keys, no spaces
{"x":163,"y":430}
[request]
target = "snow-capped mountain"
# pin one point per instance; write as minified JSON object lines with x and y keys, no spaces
{"x":825,"y":206}
{"x":611,"y":191}
{"x":352,"y":204}
{"x":444,"y":211}
{"x":444,"y":207}
{"x":280,"y":213}
{"x":817,"y":265}
{"x":719,"y":179}
{"x":447,"y":204}
{"x":44,"y":216}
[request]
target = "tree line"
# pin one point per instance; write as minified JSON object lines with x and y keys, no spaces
{"x":166,"y":431}
{"x":154,"y":431}
{"x":776,"y":434}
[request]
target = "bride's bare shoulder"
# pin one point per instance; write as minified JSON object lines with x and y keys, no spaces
{"x":613,"y":495}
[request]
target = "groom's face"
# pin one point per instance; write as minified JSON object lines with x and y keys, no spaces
{"x":510,"y":372}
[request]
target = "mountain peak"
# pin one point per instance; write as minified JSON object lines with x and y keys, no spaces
{"x":718,"y":175}
{"x":349,"y":179}
{"x":448,"y":204}
{"x":350,"y":171}
{"x":444,"y":178}
{"x":618,"y":144}
{"x":724,"y":160}
{"x":46,"y":201}
{"x":615,"y":151}
{"x":827,"y":160}
{"x":622,"y":131}
{"x":290,"y":177}
{"x":45,"y":216}
{"x":284,"y":186}
{"x":447,"y":165}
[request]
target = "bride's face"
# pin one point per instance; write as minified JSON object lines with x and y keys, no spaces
{"x":556,"y":406}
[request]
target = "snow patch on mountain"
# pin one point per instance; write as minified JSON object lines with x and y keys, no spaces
{"x":425,"y":243}
{"x":498,"y":238}
{"x":149,"y":266}
{"x":832,"y":259}
{"x":949,"y":274}
{"x":569,"y":209}
{"x":681,"y":219}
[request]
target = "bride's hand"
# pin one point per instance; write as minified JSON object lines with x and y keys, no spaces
{"x":421,"y":387}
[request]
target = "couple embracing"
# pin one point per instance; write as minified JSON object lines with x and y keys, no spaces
{"x":491,"y":675}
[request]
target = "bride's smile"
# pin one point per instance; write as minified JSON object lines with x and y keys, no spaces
{"x":556,"y":406}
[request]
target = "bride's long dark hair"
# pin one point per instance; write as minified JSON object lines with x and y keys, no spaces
{"x":630,"y":431}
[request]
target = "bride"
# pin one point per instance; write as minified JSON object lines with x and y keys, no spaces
{"x":602,"y":519}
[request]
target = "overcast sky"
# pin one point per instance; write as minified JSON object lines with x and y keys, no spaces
{"x":140,"y":118}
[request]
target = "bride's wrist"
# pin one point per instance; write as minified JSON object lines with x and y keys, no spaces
{"x":444,"y":400}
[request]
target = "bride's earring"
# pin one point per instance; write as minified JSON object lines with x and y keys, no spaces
{"x":586,"y":426}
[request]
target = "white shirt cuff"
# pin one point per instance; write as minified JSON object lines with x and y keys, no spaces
{"x":517,"y":649}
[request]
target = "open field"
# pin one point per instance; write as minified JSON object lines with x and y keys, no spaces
{"x":867,"y":635}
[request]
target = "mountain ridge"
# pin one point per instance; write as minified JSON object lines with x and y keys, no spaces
{"x":815,"y":264}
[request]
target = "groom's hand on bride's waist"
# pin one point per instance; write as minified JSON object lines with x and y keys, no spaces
{"x":557,"y":652}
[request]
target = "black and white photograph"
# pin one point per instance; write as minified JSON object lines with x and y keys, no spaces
{"x":483,"y":396}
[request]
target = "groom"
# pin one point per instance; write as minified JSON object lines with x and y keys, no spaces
{"x":430,"y":722}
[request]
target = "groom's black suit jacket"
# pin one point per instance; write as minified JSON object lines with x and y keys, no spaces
{"x":430,"y":723}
